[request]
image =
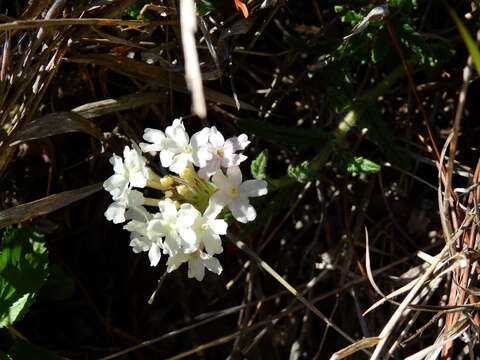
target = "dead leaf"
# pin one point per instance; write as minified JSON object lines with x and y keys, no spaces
{"x":127,"y":102}
{"x":154,"y":74}
{"x":353,"y":348}
{"x":55,"y":124}
{"x":240,"y":6}
{"x":46,"y":205}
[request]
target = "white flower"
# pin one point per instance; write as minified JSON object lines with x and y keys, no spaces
{"x":131,"y":172}
{"x":142,"y":238}
{"x":155,"y":137}
{"x":175,"y":226}
{"x":205,"y":229}
{"x":223,"y":152}
{"x":176,"y":148}
{"x":234,"y":193}
{"x":197,"y":262}
{"x":130,"y":199}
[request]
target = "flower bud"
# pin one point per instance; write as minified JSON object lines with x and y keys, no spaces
{"x":183,"y":190}
{"x":188,"y":174}
{"x":166,"y":181}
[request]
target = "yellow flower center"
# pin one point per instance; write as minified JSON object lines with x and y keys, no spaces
{"x":187,"y":149}
{"x":234,"y":191}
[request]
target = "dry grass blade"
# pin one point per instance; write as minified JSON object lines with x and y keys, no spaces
{"x":353,"y":348}
{"x":393,"y":294}
{"x":193,"y":76}
{"x":455,"y":332}
{"x":46,"y":205}
{"x":33,"y":24}
{"x":368,"y":267}
{"x":127,"y":102}
{"x":153,"y":74}
{"x":54,"y":124}
{"x":387,"y":330}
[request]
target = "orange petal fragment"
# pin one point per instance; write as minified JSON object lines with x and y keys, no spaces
{"x":242,"y":7}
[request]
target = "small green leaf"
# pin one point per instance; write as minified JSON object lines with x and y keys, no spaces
{"x":301,"y":172}
{"x":338,"y":8}
{"x":351,"y":17}
{"x":345,"y":161}
{"x":362,"y":165}
{"x":259,"y":165}
{"x":23,"y":270}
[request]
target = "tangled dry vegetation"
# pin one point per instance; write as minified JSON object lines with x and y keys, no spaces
{"x":367,"y":245}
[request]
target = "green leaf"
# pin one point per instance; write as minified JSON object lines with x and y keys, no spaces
{"x":205,"y":7}
{"x":362,"y":165}
{"x":22,"y":350}
{"x":285,"y":135}
{"x":345,"y":161}
{"x":351,"y":17}
{"x":301,"y":172}
{"x":23,"y":270}
{"x":467,"y":38}
{"x":259,"y":165}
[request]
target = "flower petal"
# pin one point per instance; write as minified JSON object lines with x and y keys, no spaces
{"x":218,"y":226}
{"x":212,"y":264}
{"x":242,"y":211}
{"x":154,"y":136}
{"x":213,"y":209}
{"x":200,"y":139}
{"x":177,"y":133}
{"x":146,"y":147}
{"x":154,"y":254}
{"x":166,"y":157}
{"x":167,"y":207}
{"x":115,"y":213}
{"x":251,"y":188}
{"x":196,"y":268}
{"x":210,"y":168}
{"x":189,"y":236}
{"x":138,"y":179}
{"x":239,"y":142}
{"x":174,"y":262}
{"x":216,"y":138}
{"x":180,"y":162}
{"x":116,"y":185}
{"x":137,"y":244}
{"x":200,"y":156}
{"x":117,"y":163}
{"x":220,"y":198}
{"x":213,"y":243}
{"x":234,"y":175}
{"x":221,"y":181}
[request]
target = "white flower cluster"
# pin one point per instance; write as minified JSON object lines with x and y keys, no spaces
{"x":187,"y":223}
